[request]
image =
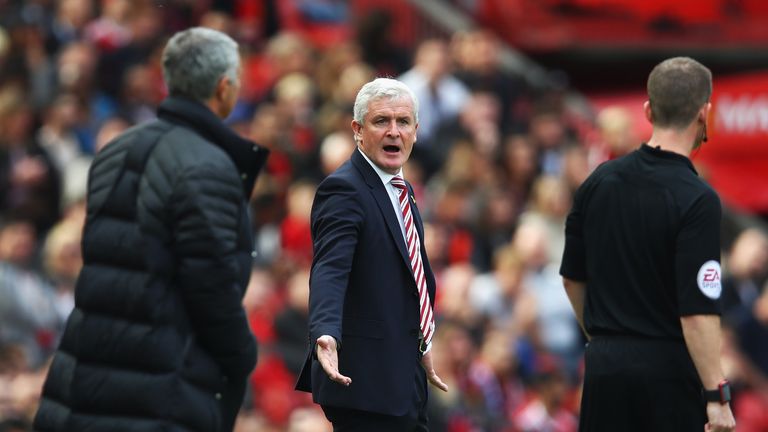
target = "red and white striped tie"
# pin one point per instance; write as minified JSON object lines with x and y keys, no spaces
{"x":427,"y":319}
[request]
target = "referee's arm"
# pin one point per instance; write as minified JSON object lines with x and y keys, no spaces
{"x":697,"y":254}
{"x":702,"y":336}
{"x":576,"y":291}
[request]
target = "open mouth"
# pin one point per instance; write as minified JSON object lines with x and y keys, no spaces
{"x":391,"y":149}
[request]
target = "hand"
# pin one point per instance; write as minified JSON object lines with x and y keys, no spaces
{"x":329,"y":359}
{"x":720,"y":418}
{"x":426,"y":363}
{"x":29,"y":171}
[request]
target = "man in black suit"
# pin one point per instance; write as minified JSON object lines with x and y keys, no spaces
{"x":371,"y":287}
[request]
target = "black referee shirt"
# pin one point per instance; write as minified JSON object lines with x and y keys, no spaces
{"x":644,"y":234}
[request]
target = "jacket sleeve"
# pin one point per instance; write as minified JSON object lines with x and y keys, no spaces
{"x":337,"y":220}
{"x":208,"y":213}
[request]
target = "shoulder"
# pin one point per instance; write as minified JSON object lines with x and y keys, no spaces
{"x":691,"y":192}
{"x":345,"y":177}
{"x":107,"y":166}
{"x":705,"y":199}
{"x":342,"y":194}
{"x":185,"y":153}
{"x":598,"y":174}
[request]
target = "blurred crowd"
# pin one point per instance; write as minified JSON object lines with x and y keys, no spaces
{"x":494,"y":169}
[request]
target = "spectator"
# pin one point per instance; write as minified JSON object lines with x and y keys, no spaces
{"x":615,"y":135}
{"x":493,"y":390}
{"x":335,"y":150}
{"x":442,"y":95}
{"x":476,"y":53}
{"x":295,"y":235}
{"x":373,"y":33}
{"x":747,"y":267}
{"x":556,"y":331}
{"x":545,"y":410}
{"x":550,"y":201}
{"x":62,"y":260}
{"x":110,"y":31}
{"x":477,"y":124}
{"x":29,"y":316}
{"x":28,"y":177}
{"x":500,"y":297}
{"x":58,"y":136}
{"x":334,"y":115}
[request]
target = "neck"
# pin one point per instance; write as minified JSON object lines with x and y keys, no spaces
{"x":673,"y":140}
{"x":215,"y":106}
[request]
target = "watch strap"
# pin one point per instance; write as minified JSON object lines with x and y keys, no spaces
{"x":721,"y":394}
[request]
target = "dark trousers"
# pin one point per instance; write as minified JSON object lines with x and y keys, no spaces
{"x":351,"y":420}
{"x":633,"y":384}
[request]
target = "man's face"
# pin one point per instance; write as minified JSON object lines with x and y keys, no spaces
{"x":230,"y":94}
{"x":388,"y":132}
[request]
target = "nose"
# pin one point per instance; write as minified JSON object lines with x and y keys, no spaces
{"x":393,"y":130}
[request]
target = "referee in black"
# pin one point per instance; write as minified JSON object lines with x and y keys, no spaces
{"x":641,"y":268}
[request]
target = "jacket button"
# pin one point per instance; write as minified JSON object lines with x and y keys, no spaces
{"x":217,"y":396}
{"x":254,"y":254}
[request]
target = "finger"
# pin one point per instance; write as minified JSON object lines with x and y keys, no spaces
{"x":333,"y":373}
{"x":341,"y":379}
{"x":437,"y":382}
{"x":335,"y":376}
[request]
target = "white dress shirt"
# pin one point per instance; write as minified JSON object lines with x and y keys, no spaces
{"x":392,"y":191}
{"x":394,"y":198}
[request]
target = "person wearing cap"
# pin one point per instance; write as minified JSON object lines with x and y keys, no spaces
{"x":641,"y":267}
{"x":371,"y":290}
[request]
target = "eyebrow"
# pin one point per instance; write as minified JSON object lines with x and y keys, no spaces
{"x":387,"y":116}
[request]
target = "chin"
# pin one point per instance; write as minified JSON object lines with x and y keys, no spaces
{"x":392,"y":167}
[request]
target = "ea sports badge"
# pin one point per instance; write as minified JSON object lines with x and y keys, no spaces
{"x":708,"y":279}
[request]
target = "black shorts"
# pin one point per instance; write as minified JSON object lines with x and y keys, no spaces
{"x":633,"y":384}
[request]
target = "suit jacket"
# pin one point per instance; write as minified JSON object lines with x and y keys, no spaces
{"x":363,"y":293}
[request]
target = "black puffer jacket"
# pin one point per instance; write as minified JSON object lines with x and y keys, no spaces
{"x":159,"y":339}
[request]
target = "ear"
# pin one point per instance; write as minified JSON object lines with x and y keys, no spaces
{"x":357,"y":130}
{"x":704,"y":112}
{"x":221,"y":88}
{"x":647,"y":111}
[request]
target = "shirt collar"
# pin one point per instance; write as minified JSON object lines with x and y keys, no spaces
{"x":383,"y":175}
{"x":668,"y":155}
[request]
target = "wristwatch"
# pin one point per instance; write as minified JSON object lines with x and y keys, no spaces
{"x":722,"y":394}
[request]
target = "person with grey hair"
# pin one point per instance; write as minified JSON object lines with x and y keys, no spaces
{"x":641,"y":268}
{"x":371,"y":290}
{"x":158,"y":339}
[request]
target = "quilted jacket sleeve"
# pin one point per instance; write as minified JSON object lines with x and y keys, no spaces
{"x":208,"y":218}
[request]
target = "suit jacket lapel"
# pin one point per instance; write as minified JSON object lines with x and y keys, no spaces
{"x":382,"y":200}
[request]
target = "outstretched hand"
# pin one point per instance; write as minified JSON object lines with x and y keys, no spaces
{"x":426,"y":363}
{"x":328,"y":357}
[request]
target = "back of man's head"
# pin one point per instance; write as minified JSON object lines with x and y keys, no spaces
{"x":194,"y":60}
{"x":677,"y":88}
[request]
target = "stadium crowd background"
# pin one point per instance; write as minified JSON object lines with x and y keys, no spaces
{"x":495,"y":166}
